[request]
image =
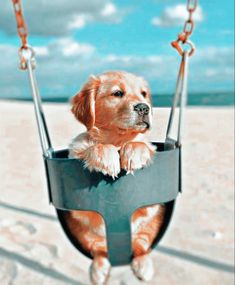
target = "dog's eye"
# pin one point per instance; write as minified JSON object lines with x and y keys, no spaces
{"x":144,"y":93}
{"x":118,"y":93}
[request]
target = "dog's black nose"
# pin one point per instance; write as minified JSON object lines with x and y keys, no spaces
{"x":142,"y":109}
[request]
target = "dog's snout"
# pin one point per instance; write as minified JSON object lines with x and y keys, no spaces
{"x":141,"y":109}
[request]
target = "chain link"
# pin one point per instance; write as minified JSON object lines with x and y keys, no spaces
{"x":191,"y":5}
{"x":26,"y":52}
{"x":188,"y":28}
{"x":21,"y":26}
{"x":183,"y":37}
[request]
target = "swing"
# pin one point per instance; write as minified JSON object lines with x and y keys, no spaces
{"x":71,"y":187}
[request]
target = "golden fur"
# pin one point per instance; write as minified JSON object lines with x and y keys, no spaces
{"x":109,"y":106}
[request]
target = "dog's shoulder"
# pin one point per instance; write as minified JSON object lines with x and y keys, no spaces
{"x":80,"y":143}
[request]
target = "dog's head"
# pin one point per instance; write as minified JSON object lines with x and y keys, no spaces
{"x":117,"y":101}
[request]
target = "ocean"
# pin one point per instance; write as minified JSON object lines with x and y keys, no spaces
{"x":161,"y":100}
{"x":198,"y":99}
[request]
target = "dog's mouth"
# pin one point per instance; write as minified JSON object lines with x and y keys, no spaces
{"x":143,"y":124}
{"x":140,"y":126}
{"x":134,"y":123}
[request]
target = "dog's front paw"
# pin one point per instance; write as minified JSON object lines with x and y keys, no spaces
{"x":142,"y":267}
{"x":136,"y":155}
{"x":99,"y":270}
{"x":103,"y":158}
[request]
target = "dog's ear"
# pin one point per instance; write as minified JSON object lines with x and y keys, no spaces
{"x":83,"y":103}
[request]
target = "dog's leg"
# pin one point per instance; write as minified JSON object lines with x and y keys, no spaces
{"x":102,"y":158}
{"x":142,"y":264}
{"x":100,"y":267}
{"x":87,"y":228}
{"x":146,"y":224}
{"x":136,"y":155}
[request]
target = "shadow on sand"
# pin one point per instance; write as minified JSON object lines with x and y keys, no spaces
{"x":36,"y":266}
{"x":196,"y":259}
{"x":165,"y":250}
{"x":8,"y":206}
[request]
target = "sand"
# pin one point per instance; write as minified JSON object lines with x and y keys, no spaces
{"x":198,"y":248}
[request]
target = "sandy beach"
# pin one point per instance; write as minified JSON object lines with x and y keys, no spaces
{"x":198,"y":248}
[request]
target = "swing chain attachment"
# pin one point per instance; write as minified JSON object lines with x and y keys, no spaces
{"x":183,"y":37}
{"x":26,"y":53}
{"x":28,"y":62}
{"x":180,"y":98}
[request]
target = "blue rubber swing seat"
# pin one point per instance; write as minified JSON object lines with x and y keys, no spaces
{"x":71,"y":187}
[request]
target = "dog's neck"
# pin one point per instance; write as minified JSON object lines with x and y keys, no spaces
{"x":117,"y":138}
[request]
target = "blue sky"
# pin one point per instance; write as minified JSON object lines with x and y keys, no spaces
{"x":74,"y":39}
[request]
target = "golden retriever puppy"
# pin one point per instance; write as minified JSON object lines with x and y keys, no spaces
{"x":116,"y":109}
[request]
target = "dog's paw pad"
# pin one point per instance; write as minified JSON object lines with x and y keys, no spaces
{"x":99,"y":271}
{"x":142,"y":267}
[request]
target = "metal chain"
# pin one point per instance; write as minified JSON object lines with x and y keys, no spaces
{"x":181,"y":86}
{"x":183,"y":37}
{"x":21,"y":26}
{"x":27,"y":62}
{"x":188,"y":28}
{"x":26,"y":52}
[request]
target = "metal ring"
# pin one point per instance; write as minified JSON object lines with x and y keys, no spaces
{"x":176,"y":45}
{"x":26,"y":53}
{"x":192,"y":46}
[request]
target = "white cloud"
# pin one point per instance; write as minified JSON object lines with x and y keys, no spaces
{"x":69,"y":47}
{"x":213,"y":68}
{"x":210,"y":72}
{"x":57,"y":18}
{"x":78,"y":22}
{"x":61,"y":71}
{"x":176,"y":15}
{"x":41,"y":50}
{"x":109,"y":9}
{"x":215,"y":56}
{"x":226,"y":32}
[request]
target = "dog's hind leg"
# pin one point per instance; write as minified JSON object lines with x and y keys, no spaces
{"x":146,"y":223}
{"x":100,"y":267}
{"x":142,"y":264}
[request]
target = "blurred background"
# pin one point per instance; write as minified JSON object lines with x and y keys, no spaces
{"x":72,"y":40}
